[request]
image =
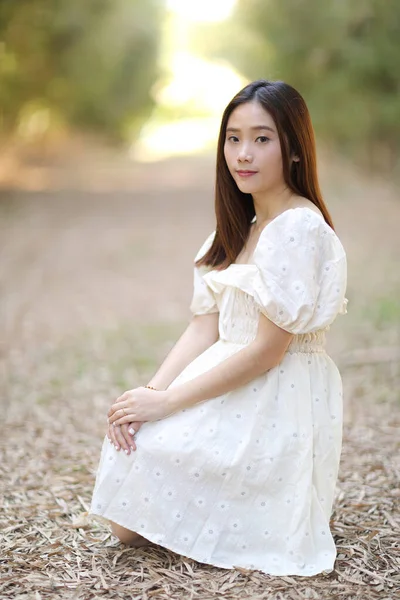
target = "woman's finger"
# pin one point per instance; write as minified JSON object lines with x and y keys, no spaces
{"x":121,"y":398}
{"x":121,"y":413}
{"x":117,"y":409}
{"x":127,"y":419}
{"x":135,"y":426}
{"x":125,"y":431}
{"x":121,"y":440}
{"x":111,"y":433}
{"x":108,"y":434}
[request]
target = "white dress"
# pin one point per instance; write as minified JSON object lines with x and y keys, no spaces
{"x":248,"y":478}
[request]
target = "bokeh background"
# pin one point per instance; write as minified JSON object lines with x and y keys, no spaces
{"x":109,"y":114}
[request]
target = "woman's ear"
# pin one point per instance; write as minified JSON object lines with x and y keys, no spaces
{"x":295,"y":158}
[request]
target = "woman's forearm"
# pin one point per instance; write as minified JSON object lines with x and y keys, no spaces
{"x":232,"y":373}
{"x":201,"y":333}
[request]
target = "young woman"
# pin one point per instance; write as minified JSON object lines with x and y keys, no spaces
{"x":238,"y":435}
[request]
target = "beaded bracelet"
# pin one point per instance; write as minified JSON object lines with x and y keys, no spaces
{"x":149,"y":387}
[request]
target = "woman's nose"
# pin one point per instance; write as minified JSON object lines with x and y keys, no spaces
{"x":244,"y":155}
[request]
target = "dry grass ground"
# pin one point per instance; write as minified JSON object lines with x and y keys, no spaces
{"x":95,"y":280}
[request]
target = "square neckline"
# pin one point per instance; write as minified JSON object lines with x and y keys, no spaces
{"x":254,"y":220}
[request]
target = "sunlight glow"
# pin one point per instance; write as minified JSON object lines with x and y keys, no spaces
{"x":206,"y":86}
{"x":190,"y":103}
{"x":186,"y":136}
{"x":202,"y":10}
{"x":199,"y":87}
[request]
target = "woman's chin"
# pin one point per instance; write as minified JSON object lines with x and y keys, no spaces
{"x":247,"y":187}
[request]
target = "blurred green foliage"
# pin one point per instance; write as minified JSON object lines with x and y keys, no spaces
{"x":342,"y":55}
{"x":90,"y":62}
{"x":384,"y":311}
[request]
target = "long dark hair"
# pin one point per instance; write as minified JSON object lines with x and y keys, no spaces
{"x":234,"y":209}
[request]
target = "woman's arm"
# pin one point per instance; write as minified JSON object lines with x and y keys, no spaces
{"x":200,"y":334}
{"x":264,"y":353}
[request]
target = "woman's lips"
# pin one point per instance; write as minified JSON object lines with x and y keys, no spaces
{"x":246,"y":173}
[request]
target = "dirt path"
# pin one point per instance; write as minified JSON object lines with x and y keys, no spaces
{"x":95,"y":283}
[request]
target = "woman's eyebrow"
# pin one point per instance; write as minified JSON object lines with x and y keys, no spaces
{"x":255,"y":128}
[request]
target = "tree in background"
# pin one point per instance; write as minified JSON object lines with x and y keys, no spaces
{"x":92,"y":63}
{"x":343,"y":56}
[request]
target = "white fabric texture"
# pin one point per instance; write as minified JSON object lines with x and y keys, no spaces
{"x":248,"y":478}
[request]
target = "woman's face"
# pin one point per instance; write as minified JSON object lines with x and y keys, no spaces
{"x":252,"y":149}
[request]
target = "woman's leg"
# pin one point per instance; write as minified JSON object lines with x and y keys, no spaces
{"x":130,"y":538}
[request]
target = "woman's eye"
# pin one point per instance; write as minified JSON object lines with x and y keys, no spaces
{"x":263,"y":138}
{"x":233,"y":138}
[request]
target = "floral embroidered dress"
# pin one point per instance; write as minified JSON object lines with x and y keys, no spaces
{"x":248,"y":478}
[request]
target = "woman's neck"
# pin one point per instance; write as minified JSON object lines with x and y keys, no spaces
{"x":269,"y":205}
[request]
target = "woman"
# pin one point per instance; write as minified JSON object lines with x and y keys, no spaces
{"x":238,"y":435}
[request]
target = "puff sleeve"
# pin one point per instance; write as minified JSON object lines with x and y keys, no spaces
{"x":203,"y":299}
{"x":301,"y":272}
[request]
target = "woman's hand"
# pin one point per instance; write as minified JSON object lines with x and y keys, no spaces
{"x":123,"y":437}
{"x":140,"y":404}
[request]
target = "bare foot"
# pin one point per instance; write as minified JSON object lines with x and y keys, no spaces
{"x":139,"y":541}
{"x":127,"y":537}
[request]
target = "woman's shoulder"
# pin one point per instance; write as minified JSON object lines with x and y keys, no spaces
{"x":300,"y":227}
{"x":302,"y":202}
{"x":302,"y":210}
{"x":300,"y":218}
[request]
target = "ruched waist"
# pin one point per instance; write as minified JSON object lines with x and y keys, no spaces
{"x":308,"y":342}
{"x":305,"y":342}
{"x":305,"y":348}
